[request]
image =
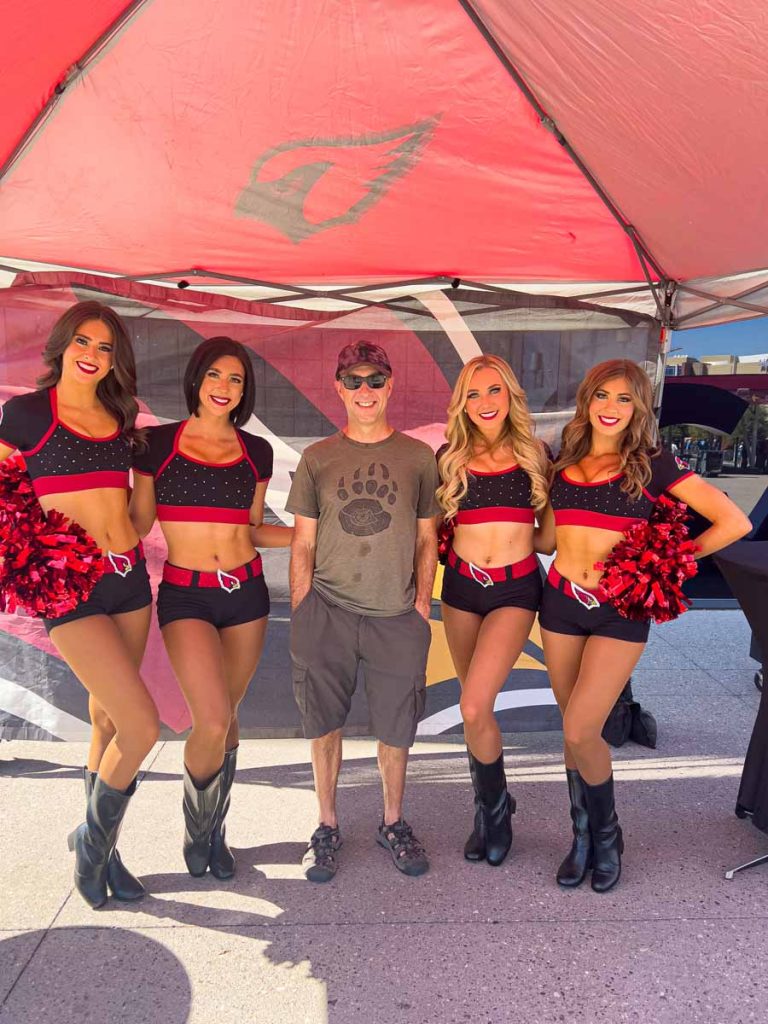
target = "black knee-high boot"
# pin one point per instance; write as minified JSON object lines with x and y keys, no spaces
{"x":607,"y":840}
{"x":222,"y":862}
{"x":122,"y":884}
{"x":201,"y":807}
{"x":474,"y":848}
{"x":578,"y":861}
{"x":94,"y":840}
{"x":496,"y":806}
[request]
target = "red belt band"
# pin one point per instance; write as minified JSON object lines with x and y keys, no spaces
{"x":583,"y":595}
{"x":496,"y":574}
{"x":123,"y":562}
{"x":192,"y":578}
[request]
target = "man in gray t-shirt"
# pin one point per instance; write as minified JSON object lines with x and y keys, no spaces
{"x":363,"y":562}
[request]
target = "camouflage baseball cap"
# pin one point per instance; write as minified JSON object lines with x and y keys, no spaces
{"x":359,"y":352}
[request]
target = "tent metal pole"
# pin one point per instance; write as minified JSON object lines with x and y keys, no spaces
{"x":351,"y":290}
{"x":72,"y":73}
{"x":733,"y":301}
{"x":662,"y":310}
{"x":550,"y":124}
{"x":585,"y":296}
{"x":725,"y":301}
{"x":670,"y":291}
{"x":296,"y":290}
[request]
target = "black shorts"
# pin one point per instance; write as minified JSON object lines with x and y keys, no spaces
{"x":472,"y":589}
{"x":575,"y":611}
{"x":124,"y":587}
{"x":221,"y":598}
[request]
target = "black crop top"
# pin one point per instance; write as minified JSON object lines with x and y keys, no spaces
{"x":501,"y":496}
{"x":188,"y":490}
{"x":58,"y":458}
{"x":604,"y":505}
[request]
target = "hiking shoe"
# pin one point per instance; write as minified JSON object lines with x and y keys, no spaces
{"x":320,"y":861}
{"x":407,"y":852}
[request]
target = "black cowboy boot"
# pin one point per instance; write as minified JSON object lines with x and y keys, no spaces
{"x":474,"y":848}
{"x":94,"y":840}
{"x":573,"y":870}
{"x":497,"y":808}
{"x":607,"y":841}
{"x":222,"y":862}
{"x":201,"y":807}
{"x":122,"y":884}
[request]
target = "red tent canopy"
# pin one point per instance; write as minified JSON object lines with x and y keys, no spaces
{"x":572,"y":149}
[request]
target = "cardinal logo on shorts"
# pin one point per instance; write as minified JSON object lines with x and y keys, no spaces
{"x":120,"y":563}
{"x":681,"y":463}
{"x":479,"y":575}
{"x":227,"y":581}
{"x":314,"y":184}
{"x":589,"y":601}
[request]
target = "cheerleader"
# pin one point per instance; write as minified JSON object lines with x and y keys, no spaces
{"x":494,"y":475}
{"x":609,"y":475}
{"x":205,"y":480}
{"x":77,"y":436}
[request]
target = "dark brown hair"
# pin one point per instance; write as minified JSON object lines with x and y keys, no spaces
{"x":204,"y":356}
{"x":117,"y":391}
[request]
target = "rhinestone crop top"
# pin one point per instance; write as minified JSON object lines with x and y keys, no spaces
{"x":58,"y":458}
{"x":500,"y":496}
{"x":188,"y":490}
{"x":602,"y":504}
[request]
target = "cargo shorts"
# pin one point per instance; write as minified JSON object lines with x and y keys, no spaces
{"x":328,"y":643}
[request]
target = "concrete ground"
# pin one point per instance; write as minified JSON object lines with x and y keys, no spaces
{"x":673,"y":943}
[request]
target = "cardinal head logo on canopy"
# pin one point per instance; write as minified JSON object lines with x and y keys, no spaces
{"x":304,"y":187}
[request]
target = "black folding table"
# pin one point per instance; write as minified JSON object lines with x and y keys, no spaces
{"x":745,"y":567}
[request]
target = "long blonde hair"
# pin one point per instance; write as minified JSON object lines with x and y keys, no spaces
{"x":638,"y":443}
{"x":465,"y":440}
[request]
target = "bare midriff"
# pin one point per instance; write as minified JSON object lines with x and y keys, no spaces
{"x":102,"y":512}
{"x":208,"y":546}
{"x":493,"y":544}
{"x":578,"y":548}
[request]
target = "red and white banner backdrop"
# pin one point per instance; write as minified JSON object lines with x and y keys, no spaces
{"x":549,"y":343}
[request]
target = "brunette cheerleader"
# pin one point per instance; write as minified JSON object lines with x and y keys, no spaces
{"x":609,"y":474}
{"x":205,"y":480}
{"x":494,"y":476}
{"x":77,"y":437}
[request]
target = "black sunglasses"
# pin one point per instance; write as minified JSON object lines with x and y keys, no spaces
{"x":352,"y":381}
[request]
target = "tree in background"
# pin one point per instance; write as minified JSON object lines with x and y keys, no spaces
{"x":739,"y":441}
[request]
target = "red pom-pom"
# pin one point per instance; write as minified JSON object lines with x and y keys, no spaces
{"x":644,"y":573}
{"x":444,"y":540}
{"x":17,"y":498}
{"x":49,"y":564}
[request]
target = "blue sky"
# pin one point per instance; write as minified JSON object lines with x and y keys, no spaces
{"x":740,"y":339}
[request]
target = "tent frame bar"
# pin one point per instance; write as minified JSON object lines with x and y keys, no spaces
{"x":723,"y":301}
{"x":347,"y":294}
{"x":356,"y":294}
{"x":73,"y":72}
{"x":550,"y":124}
{"x":719,"y":301}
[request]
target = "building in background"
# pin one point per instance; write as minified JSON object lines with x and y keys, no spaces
{"x":716,"y":365}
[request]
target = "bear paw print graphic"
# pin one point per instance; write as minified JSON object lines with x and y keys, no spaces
{"x":370,"y":491}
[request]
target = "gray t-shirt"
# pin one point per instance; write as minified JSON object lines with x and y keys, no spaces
{"x":366,"y":499}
